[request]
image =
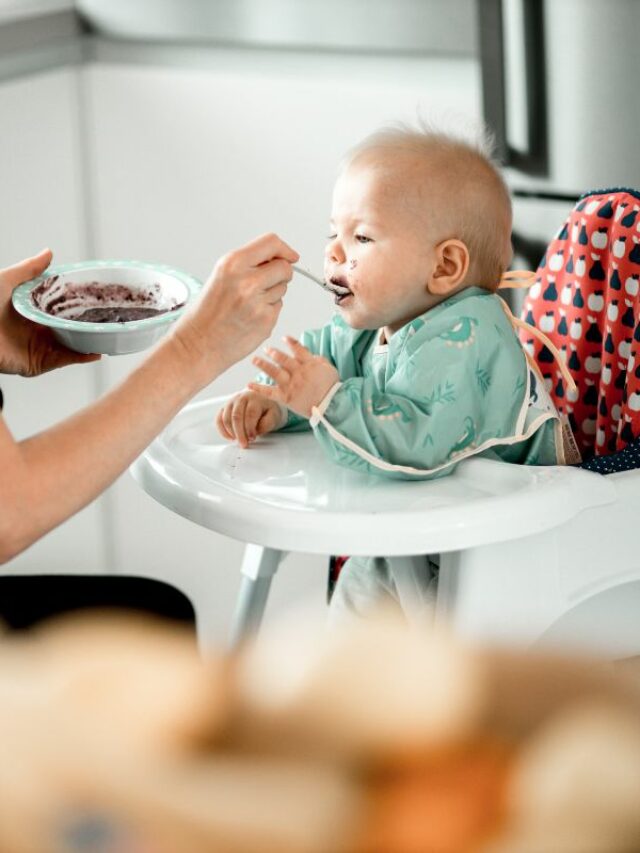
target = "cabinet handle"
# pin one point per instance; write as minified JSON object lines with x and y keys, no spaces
{"x":528,"y":44}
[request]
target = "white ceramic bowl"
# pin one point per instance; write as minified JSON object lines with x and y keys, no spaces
{"x":157,"y":286}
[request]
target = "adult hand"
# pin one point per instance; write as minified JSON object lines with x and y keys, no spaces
{"x":60,"y":470}
{"x":302,"y":378}
{"x":237,"y":308}
{"x":25,"y":347}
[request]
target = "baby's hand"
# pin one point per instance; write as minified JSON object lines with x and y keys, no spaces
{"x":247,"y":416}
{"x":302,"y":379}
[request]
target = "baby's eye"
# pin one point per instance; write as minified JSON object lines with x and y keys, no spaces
{"x":362,"y":238}
{"x":331,"y":236}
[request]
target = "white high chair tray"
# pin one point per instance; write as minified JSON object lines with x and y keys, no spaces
{"x":283,"y":493}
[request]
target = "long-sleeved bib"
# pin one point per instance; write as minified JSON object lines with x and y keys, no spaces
{"x":452,"y":383}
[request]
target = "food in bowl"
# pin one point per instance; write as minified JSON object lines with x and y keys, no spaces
{"x":113,"y":307}
{"x":96,"y":302}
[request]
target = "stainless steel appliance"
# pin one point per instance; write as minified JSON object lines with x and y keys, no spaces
{"x":560,"y":89}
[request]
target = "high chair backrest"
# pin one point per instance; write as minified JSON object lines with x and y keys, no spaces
{"x":586,"y":300}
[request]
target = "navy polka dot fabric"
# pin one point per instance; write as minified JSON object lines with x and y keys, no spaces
{"x":624,"y":460}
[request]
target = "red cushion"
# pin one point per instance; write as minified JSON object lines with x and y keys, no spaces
{"x":587,"y":301}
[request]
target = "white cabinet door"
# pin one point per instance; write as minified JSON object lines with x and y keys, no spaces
{"x":42,"y":205}
{"x":193,"y":161}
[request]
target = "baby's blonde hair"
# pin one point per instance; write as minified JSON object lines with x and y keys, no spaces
{"x":472,"y":198}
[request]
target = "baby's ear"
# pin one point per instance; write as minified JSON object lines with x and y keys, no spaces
{"x":450,"y":268}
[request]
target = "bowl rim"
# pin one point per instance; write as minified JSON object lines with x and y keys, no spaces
{"x":21,"y":298}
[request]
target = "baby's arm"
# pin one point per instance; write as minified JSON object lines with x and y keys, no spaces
{"x":390,"y":435}
{"x":456,"y":387}
{"x":441,"y":405}
{"x":317,"y":342}
{"x":299,"y":381}
{"x":251,"y":413}
{"x":358,"y":426}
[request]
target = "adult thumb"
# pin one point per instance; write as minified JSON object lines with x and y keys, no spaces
{"x":26,"y":270}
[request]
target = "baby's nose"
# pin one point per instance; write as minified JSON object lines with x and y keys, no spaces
{"x":334,"y":252}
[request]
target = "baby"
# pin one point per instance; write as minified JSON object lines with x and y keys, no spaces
{"x":420,"y":367}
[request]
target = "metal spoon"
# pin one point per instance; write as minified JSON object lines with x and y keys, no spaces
{"x":332,"y":288}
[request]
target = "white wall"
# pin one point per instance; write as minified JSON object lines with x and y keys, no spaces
{"x":42,"y":205}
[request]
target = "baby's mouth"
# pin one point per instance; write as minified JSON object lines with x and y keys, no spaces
{"x":339,"y":287}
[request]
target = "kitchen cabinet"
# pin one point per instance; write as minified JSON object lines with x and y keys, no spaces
{"x":383,"y":26}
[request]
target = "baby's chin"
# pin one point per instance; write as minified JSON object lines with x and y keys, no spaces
{"x":359,"y":322}
{"x":372,"y":324}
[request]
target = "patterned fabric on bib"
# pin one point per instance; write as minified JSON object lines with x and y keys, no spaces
{"x":450,"y":384}
{"x":586,"y":300}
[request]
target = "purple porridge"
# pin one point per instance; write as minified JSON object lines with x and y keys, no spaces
{"x":93,"y":302}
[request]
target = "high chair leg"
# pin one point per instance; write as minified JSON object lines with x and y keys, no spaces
{"x":259,"y":565}
{"x":411,"y":576}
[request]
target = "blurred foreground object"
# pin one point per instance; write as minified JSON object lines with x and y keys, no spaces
{"x":117,"y":738}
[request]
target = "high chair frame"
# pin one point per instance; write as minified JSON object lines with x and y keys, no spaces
{"x":523,"y":549}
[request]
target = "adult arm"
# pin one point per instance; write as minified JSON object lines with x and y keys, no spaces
{"x":49,"y":477}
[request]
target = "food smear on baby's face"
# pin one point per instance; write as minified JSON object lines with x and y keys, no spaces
{"x":94,"y":302}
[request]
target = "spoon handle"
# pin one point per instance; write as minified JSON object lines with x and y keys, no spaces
{"x":310,"y":275}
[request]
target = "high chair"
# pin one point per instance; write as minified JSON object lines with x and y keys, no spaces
{"x":527,"y":554}
{"x":505,"y":533}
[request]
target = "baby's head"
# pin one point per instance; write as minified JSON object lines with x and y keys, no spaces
{"x":417,"y":216}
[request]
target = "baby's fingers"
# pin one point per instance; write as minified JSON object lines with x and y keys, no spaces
{"x":271,"y":419}
{"x":220,"y":423}
{"x":253,"y":413}
{"x":274,"y":371}
{"x":282,"y":359}
{"x":238,"y":420}
{"x":299,"y":351}
{"x":272,"y":392}
{"x":228,"y":418}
